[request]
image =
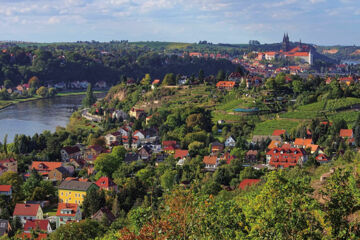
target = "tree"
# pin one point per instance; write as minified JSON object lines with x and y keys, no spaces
{"x":93,"y":201}
{"x":220,"y":75}
{"x":31,"y":183}
{"x":107,"y":163}
{"x":5,"y":145}
{"x":201,"y":76}
{"x":89,"y":99}
{"x":146,"y":80}
{"x":42,"y":91}
{"x":87,"y":229}
{"x":169,"y":80}
{"x":167,"y":180}
{"x":34,"y":82}
{"x":51,"y":92}
{"x":7,"y":84}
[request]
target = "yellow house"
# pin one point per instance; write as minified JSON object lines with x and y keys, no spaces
{"x":74,"y":191}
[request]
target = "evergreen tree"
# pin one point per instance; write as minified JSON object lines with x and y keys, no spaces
{"x":89,"y":99}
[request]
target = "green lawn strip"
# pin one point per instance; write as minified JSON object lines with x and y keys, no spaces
{"x":267,"y":127}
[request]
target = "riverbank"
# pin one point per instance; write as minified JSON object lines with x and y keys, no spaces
{"x":7,"y":103}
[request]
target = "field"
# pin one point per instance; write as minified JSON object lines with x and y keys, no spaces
{"x":267,"y":127}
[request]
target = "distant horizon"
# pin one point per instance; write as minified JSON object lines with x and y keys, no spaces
{"x":323,"y":22}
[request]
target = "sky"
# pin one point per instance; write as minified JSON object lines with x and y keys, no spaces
{"x":322,"y":22}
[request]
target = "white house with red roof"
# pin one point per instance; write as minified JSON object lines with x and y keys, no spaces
{"x":348,"y":135}
{"x":37,"y":225}
{"x":67,"y":212}
{"x":107,"y":184}
{"x":44,"y":168}
{"x":112,"y":138}
{"x":28,"y":211}
{"x":6,"y":190}
{"x":139,"y":134}
{"x":211,"y":162}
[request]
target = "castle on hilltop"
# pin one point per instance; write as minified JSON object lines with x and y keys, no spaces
{"x":302,"y":52}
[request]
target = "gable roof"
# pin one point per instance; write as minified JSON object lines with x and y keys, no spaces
{"x":346,"y":133}
{"x":71,"y":149}
{"x":225,"y":84}
{"x":279,"y":132}
{"x":104,"y":211}
{"x":273,"y":144}
{"x":303,"y":142}
{"x":45,"y":166}
{"x":26,"y":209}
{"x":5,"y":188}
{"x":75,"y":185}
{"x":36,"y":224}
{"x":210,"y":160}
{"x":71,"y":206}
{"x":247,"y":183}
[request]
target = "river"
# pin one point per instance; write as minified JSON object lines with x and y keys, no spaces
{"x":37,"y":116}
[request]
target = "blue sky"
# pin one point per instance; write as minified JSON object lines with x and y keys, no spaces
{"x":325,"y":22}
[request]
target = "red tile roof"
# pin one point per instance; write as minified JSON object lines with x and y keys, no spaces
{"x":156,"y":81}
{"x":180,"y":153}
{"x":285,"y":156}
{"x":5,"y":188}
{"x":45,"y":166}
{"x":105,"y":182}
{"x":72,"y":206}
{"x":71,"y":149}
{"x":169,"y":143}
{"x":346,"y":133}
{"x":211,"y":160}
{"x":36,"y":224}
{"x":278,"y":132}
{"x":22,"y":209}
{"x":302,"y":142}
{"x":322,"y":158}
{"x":247,"y":183}
{"x":273,"y":144}
{"x":227,"y":84}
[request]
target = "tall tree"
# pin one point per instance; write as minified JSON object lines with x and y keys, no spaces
{"x":89,"y":99}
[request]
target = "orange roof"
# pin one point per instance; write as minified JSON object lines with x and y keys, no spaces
{"x":180,"y":153}
{"x":278,"y":132}
{"x":36,"y":224}
{"x":211,"y":160}
{"x":271,"y":53}
{"x":297,"y":54}
{"x":71,"y":206}
{"x":313,"y":147}
{"x":346,"y":133}
{"x":225,"y":84}
{"x":302,"y":142}
{"x":247,"y":183}
{"x":156,"y":81}
{"x":45,"y":166}
{"x":273,"y":144}
{"x":5,"y":188}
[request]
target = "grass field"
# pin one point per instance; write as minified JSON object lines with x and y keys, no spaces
{"x":267,"y":127}
{"x":300,"y":115}
{"x":236,"y":103}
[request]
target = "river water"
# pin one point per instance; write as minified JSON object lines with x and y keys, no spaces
{"x":36,"y":116}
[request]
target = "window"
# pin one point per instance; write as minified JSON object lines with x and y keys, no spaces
{"x":62,"y":193}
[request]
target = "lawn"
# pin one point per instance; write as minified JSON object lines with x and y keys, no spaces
{"x":300,"y":115}
{"x":267,"y":127}
{"x":50,"y":210}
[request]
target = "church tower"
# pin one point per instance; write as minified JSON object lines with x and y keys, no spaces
{"x":285,"y":43}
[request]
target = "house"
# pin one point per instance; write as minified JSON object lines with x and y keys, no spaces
{"x":251,"y":156}
{"x":44,"y":168}
{"x":131,"y":157}
{"x":67,"y":212}
{"x":273,"y":144}
{"x":59,"y":174}
{"x":322,"y":158}
{"x":70,"y":152}
{"x":235,"y":77}
{"x":37,"y":225}
{"x":112,"y":138}
{"x":302,"y":143}
{"x":211,"y":162}
{"x":137,"y":113}
{"x":92,"y":152}
{"x":230,"y":142}
{"x":181,"y":155}
{"x":26,"y":211}
{"x":217,"y":147}
{"x":107,"y":184}
{"x":155,"y":83}
{"x":134,"y":144}
{"x":348,"y":135}
{"x":169,"y":146}
{"x":286,"y":156}
{"x":120,"y":114}
{"x":6,"y":190}
{"x":314,"y":149}
{"x":10,"y":164}
{"x":279,"y":132}
{"x":227,"y":85}
{"x":147,"y":119}
{"x":103,"y":213}
{"x":5,"y":227}
{"x":246,"y":183}
{"x":145,"y":152}
{"x":139,"y":134}
{"x":74,"y":191}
